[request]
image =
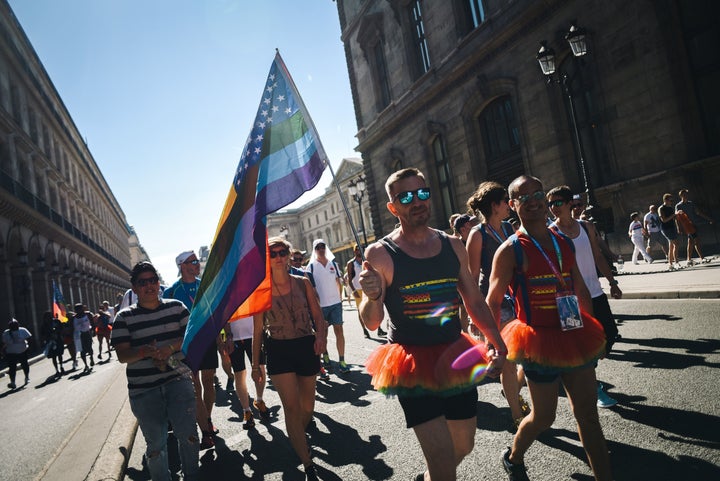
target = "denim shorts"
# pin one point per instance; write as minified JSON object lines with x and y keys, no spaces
{"x":333,"y":314}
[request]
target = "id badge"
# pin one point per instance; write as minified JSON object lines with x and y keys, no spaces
{"x":568,"y":311}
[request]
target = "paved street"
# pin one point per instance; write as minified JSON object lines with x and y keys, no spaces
{"x":666,"y":426}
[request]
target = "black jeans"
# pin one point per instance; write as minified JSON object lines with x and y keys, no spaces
{"x":13,"y":360}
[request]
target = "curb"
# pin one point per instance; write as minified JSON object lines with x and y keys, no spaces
{"x":672,"y":295}
{"x":113,"y":458}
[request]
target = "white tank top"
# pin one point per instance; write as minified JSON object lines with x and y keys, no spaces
{"x":586,"y":262}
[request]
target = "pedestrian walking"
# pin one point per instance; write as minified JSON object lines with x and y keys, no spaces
{"x":651,"y":222}
{"x":419,"y":274}
{"x":293,"y":344}
{"x":15,"y":350}
{"x":554,"y":337}
{"x":637,"y":234}
{"x":148,"y":337}
{"x":669,"y":229}
{"x":688,"y":215}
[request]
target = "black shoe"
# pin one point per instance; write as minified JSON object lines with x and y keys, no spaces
{"x":367,"y":334}
{"x":382,"y":333}
{"x":515,"y":472}
{"x":92,"y":363}
{"x":310,"y":473}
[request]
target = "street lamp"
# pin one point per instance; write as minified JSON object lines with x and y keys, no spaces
{"x":546,"y":58}
{"x":357,"y":192}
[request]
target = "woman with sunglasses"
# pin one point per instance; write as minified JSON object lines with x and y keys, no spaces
{"x":490,"y":200}
{"x":292,"y":346}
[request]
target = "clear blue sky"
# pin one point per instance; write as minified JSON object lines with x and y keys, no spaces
{"x":165,"y":92}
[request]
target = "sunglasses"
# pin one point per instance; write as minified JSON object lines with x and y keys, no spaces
{"x":281,"y":253}
{"x":297,"y":259}
{"x":423,"y":193}
{"x":538,"y":195}
{"x":319,"y":246}
{"x":147,"y":281}
{"x":194,"y":262}
{"x":557,"y":203}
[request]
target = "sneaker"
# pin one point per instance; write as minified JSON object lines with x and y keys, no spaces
{"x":366,"y":334}
{"x":326,"y":361}
{"x":99,"y":356}
{"x":92,"y":361}
{"x":324,"y":374}
{"x":27,"y":380}
{"x":515,"y":472}
{"x":75,"y":363}
{"x":12,"y":385}
{"x":344,"y":367}
{"x":310,"y":473}
{"x":604,"y":401}
{"x":207,"y":441}
{"x":524,"y":406}
{"x":382,"y":333}
{"x":249,"y":420}
{"x":261,"y":408}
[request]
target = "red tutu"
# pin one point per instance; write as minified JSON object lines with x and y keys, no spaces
{"x":408,"y":370}
{"x":543,"y":348}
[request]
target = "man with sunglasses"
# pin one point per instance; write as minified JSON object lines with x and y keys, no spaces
{"x":419,"y":273}
{"x":328,"y":283}
{"x":554,"y":337}
{"x":185,"y":290}
{"x":148,"y":337}
{"x":589,"y":261}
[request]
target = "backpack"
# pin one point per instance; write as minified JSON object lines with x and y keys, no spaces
{"x":312,"y":278}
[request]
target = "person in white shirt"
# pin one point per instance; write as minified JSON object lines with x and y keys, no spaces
{"x":637,"y":233}
{"x":328,"y":284}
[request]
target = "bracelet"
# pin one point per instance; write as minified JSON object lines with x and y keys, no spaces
{"x":255,"y":369}
{"x":614,"y":282}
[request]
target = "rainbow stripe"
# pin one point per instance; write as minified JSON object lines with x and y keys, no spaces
{"x":282,"y":158}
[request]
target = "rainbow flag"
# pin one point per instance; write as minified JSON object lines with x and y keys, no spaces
{"x":282,"y":158}
{"x":59,"y":309}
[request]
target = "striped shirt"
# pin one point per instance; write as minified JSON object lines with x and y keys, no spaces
{"x":140,"y":326}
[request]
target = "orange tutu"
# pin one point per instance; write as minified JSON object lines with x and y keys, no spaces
{"x":409,"y":370}
{"x":544,"y":348}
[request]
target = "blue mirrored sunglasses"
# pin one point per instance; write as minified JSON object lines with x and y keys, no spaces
{"x":538,"y":195}
{"x":406,"y":197}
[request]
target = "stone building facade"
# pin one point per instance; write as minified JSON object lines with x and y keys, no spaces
{"x":453,"y":88}
{"x":59,"y":220}
{"x":325,"y":217}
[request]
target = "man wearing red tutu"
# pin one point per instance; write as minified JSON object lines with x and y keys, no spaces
{"x":555,"y":337}
{"x":418,"y":274}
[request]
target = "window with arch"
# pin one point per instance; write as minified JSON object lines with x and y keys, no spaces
{"x":501,"y":140}
{"x":442,"y":171}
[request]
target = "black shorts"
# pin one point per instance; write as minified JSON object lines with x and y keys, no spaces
{"x":420,"y":409}
{"x":292,"y":355}
{"x":601,"y":309}
{"x":210,"y":359}
{"x":86,"y":342}
{"x":243,"y":348}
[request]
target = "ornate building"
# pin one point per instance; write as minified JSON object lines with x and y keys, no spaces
{"x":325,"y":217}
{"x":454,"y":88}
{"x":59,"y":220}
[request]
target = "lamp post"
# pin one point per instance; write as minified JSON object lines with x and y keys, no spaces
{"x":546,"y":58}
{"x":357,"y":192}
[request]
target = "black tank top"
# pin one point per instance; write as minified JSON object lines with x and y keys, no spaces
{"x":423,"y":300}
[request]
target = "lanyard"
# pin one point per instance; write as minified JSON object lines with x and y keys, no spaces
{"x":558,"y":273}
{"x":192,"y":299}
{"x":495,"y":233}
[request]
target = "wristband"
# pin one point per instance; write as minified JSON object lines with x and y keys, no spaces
{"x":614,"y":282}
{"x":255,"y":369}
